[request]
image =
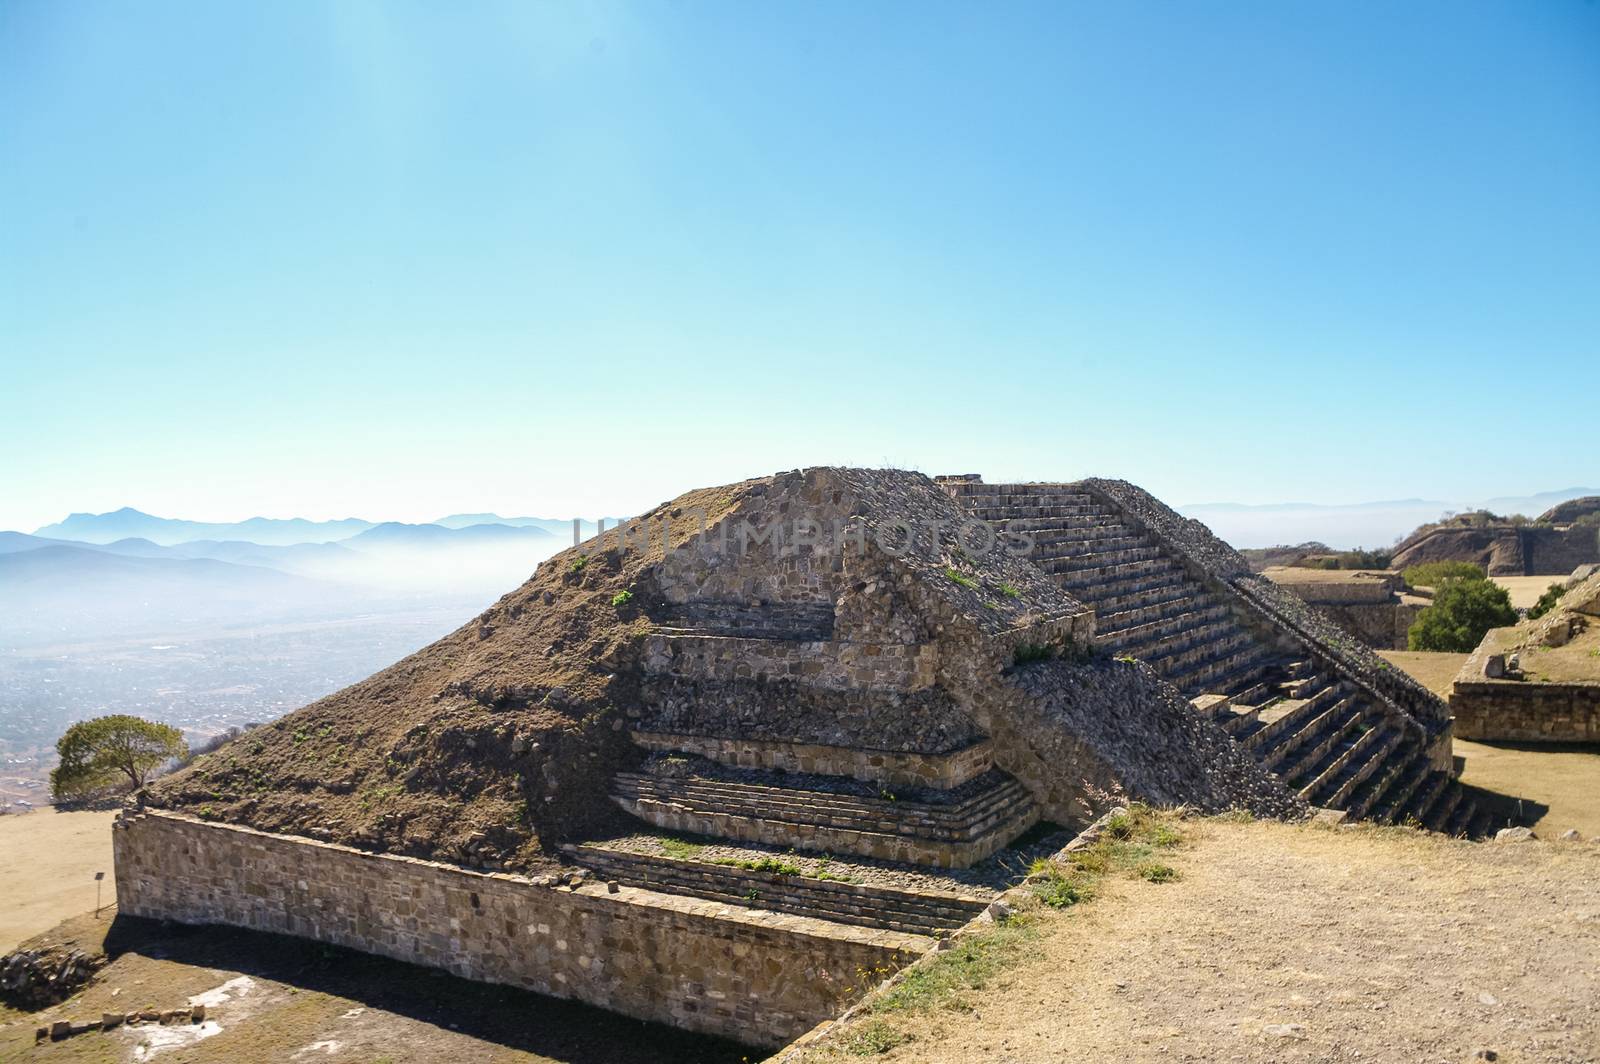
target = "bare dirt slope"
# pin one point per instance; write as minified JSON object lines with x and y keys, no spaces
{"x":1300,"y":943}
{"x":271,"y":999}
{"x":484,"y":747}
{"x":47,"y":866}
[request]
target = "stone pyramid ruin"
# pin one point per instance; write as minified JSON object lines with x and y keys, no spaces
{"x":806,"y":726}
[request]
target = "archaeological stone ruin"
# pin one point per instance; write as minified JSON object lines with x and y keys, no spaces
{"x":826,"y":728}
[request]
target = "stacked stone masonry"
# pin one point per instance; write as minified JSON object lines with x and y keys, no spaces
{"x":888,"y":767}
{"x":755,"y":975}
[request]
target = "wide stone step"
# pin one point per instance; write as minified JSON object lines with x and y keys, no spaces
{"x":1460,"y":824}
{"x":1334,"y":784}
{"x":726,"y":817}
{"x":1087,"y":531}
{"x":1297,"y":752}
{"x":1389,"y":806}
{"x":1134,"y":592}
{"x":1039,"y":511}
{"x":887,"y":768}
{"x":1427,"y":792}
{"x":1184,"y":600}
{"x":1225,"y":638}
{"x":1281,"y":725}
{"x":1364,"y":801}
{"x":1437,"y":816}
{"x":1324,"y":755}
{"x":861,"y":905}
{"x":1069,"y":563}
{"x":1074,"y":578}
{"x":1223,"y":673}
{"x":1062,"y":529}
{"x":1139,"y":638}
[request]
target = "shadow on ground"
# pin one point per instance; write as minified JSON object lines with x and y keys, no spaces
{"x":516,"y":1019}
{"x":1509,"y":811}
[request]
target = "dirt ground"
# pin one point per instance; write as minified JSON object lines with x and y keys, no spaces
{"x":47,"y":866}
{"x":1296,"y":943}
{"x":1435,"y":671}
{"x":1525,"y":590}
{"x":271,"y":998}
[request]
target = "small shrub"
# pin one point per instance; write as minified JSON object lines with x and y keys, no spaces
{"x":961,"y":578}
{"x":1547,"y":601}
{"x":1058,"y":887}
{"x":1462,"y":612}
{"x":1010,"y":591}
{"x":578,"y":563}
{"x":622,"y":598}
{"x":1434,"y":574}
{"x":1156,"y":872}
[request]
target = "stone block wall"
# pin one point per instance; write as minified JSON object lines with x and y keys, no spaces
{"x":753,"y":975}
{"x":1382,"y":626}
{"x":830,"y":665}
{"x":1529,"y":712}
{"x":892,"y":768}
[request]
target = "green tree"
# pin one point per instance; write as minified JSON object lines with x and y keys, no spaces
{"x":1462,"y":612}
{"x":106,"y":752}
{"x":1547,"y":601}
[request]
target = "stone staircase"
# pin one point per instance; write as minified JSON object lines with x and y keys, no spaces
{"x":1319,"y":734}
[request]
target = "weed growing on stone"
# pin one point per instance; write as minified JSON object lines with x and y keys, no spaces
{"x":578,"y":563}
{"x":622,"y":598}
{"x":1010,"y":591}
{"x":961,"y":578}
{"x":678,"y":848}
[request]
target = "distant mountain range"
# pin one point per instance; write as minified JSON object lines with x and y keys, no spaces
{"x":127,"y":557}
{"x":554,"y":525}
{"x":128,"y":523}
{"x":1362,"y":524}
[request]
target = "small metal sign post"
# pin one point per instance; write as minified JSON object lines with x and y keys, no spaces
{"x":98,"y":876}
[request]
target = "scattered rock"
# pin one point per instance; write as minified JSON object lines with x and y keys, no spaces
{"x":1284,"y":1030}
{"x":1572,"y":835}
{"x":1514,"y":835}
{"x":1486,"y":998}
{"x":35,"y":978}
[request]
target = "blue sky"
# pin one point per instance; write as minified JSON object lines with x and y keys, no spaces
{"x":397,"y":260}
